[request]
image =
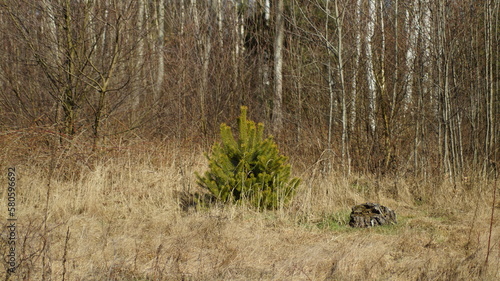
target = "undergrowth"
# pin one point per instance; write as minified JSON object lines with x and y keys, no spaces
{"x":117,"y":216}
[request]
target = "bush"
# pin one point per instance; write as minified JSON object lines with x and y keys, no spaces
{"x":249,"y":168}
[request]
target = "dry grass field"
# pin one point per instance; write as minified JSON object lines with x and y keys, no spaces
{"x":114,"y":214}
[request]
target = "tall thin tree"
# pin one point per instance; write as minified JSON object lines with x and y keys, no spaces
{"x":370,"y":72}
{"x":278,"y":68}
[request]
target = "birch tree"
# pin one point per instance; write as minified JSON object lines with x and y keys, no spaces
{"x":331,"y":52}
{"x":426,"y":35}
{"x":141,"y":5}
{"x":426,"y":97}
{"x":411,"y":28}
{"x":219,"y":12}
{"x":491,"y":23}
{"x":357,"y":56}
{"x":206,"y":49}
{"x":447,"y":129}
{"x":278,"y":68}
{"x":160,"y":24}
{"x":385,"y":99}
{"x":340,"y":65}
{"x":237,"y":32}
{"x":370,"y":72}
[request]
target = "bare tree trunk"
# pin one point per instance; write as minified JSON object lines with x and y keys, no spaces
{"x":183,"y":17}
{"x":440,"y":86}
{"x":427,"y":41}
{"x":357,"y":57}
{"x":445,"y":71}
{"x":396,"y":61}
{"x":372,"y":91}
{"x":387,"y":118}
{"x":330,"y":80}
{"x":140,"y":59}
{"x":278,"y":68}
{"x":69,"y":98}
{"x":331,"y":95}
{"x":491,"y":23}
{"x":448,"y":128}
{"x":238,"y":39}
{"x":264,"y":55}
{"x":346,"y":161}
{"x":52,"y":30}
{"x":219,"y":10}
{"x":382,"y":50}
{"x":494,"y":90}
{"x":427,"y":94}
{"x":267,"y":10}
{"x":160,"y":74}
{"x":336,"y":52}
{"x":206,"y":46}
{"x":298,"y":72}
{"x":411,"y":27}
{"x":264,"y":70}
{"x":106,"y":14}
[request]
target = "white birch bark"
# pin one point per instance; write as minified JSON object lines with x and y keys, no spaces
{"x":206,"y":47}
{"x":267,"y":11}
{"x":383,"y":49}
{"x":241,"y":34}
{"x":237,"y":44}
{"x":396,"y":60}
{"x":264,"y":57}
{"x":278,"y":67}
{"x":183,"y":17}
{"x":370,"y":31}
{"x":161,"y":42}
{"x":383,"y":92}
{"x":329,"y":76}
{"x":425,"y":35}
{"x":491,"y":23}
{"x":411,"y":26}
{"x":426,"y":41}
{"x":69,"y":99}
{"x":104,"y":32}
{"x":220,"y":19}
{"x":354,"y":83}
{"x":446,"y":128}
{"x":494,"y":24}
{"x":140,"y":55}
{"x":442,"y":135}
{"x":340,"y":65}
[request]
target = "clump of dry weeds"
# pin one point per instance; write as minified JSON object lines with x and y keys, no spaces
{"x":113,"y":214}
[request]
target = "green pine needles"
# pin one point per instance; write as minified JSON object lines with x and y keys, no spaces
{"x":249,"y":168}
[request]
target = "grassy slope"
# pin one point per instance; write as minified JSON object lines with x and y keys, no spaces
{"x":125,"y":223}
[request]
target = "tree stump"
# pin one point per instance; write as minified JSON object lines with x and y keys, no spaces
{"x":371,"y":214}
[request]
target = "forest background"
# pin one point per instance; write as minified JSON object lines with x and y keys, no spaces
{"x":367,"y":86}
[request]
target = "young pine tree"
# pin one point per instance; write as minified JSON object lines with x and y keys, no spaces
{"x":248,"y":168}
